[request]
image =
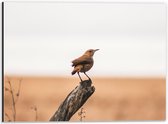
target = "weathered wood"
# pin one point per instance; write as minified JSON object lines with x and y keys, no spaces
{"x":74,"y":101}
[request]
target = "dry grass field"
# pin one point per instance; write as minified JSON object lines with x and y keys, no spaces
{"x":115,"y":99}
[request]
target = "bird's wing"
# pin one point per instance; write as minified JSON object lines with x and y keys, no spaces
{"x":81,"y":60}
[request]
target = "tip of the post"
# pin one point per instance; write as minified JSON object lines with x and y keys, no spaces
{"x":86,"y":83}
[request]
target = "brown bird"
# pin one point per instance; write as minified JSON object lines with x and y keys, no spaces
{"x":83,"y":63}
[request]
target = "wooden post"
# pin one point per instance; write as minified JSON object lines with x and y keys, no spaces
{"x":74,"y":101}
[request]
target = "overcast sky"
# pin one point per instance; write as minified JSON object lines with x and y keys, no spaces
{"x":43,"y":38}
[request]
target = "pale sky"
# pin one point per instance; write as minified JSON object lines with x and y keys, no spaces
{"x":43,"y":38}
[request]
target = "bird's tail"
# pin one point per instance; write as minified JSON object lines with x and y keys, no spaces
{"x":76,"y":69}
{"x":73,"y":72}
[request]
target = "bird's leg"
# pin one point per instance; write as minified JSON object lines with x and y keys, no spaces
{"x":79,"y":76}
{"x":87,"y":76}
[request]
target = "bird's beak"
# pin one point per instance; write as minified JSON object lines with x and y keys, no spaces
{"x":96,"y":50}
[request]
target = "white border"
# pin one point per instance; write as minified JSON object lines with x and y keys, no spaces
{"x":115,"y":1}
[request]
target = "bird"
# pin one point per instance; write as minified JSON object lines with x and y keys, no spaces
{"x":84,"y":63}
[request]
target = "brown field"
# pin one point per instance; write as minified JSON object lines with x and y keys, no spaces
{"x":115,"y":99}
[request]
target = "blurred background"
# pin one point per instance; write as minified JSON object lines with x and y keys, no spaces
{"x":129,"y":73}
